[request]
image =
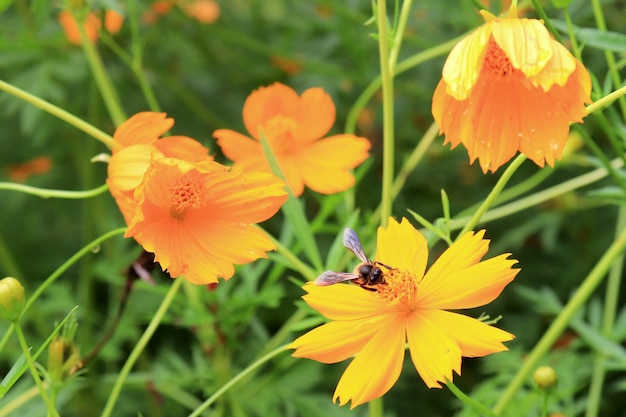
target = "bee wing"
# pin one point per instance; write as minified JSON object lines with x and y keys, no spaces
{"x":352,"y":242}
{"x":332,"y":277}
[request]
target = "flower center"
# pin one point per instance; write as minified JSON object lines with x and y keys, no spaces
{"x":497,"y":62}
{"x":185,"y":194}
{"x":280,"y":133}
{"x":400,"y":288}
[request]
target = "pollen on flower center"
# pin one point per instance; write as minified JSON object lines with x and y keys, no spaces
{"x":496,"y":61}
{"x":279,"y":131}
{"x":186,"y":194}
{"x":400,"y":287}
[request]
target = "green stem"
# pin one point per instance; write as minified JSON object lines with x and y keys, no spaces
{"x":611,"y":299}
{"x":562,"y":320}
{"x":399,"y":34}
{"x":140,"y":346}
{"x":541,"y":196}
{"x":59,"y":113}
{"x":305,"y":270}
{"x":546,"y":20}
{"x":49,"y":193}
{"x":475,"y":405}
{"x":33,"y":370}
{"x":109,"y":94}
{"x":405,"y":65}
{"x":388,"y":122}
{"x":251,"y":368}
{"x":606,"y":100}
{"x":493,"y":194}
{"x":608,"y":55}
{"x":59,"y":271}
{"x":375,"y":407}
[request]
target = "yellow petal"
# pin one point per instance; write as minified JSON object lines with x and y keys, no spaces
{"x":338,"y":340}
{"x":434,"y":352}
{"x":345,"y":301}
{"x":473,"y":336}
{"x":401,"y":246}
{"x":526,"y":42}
{"x":471,"y":287}
{"x":376,"y":368}
{"x":557,"y":70}
{"x":463,"y":65}
{"x":465,"y":252}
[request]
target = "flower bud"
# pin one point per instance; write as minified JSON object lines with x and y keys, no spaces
{"x":544,"y":378}
{"x":11,"y":298}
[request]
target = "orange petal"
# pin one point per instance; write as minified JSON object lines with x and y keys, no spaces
{"x":376,"y":368}
{"x":113,"y":21}
{"x":144,"y":127}
{"x":183,"y":147}
{"x":244,"y":151}
{"x":401,"y":246}
{"x":345,"y":302}
{"x":316,"y":115}
{"x":127,"y":166}
{"x":267,"y":102}
{"x":468,"y":250}
{"x":475,"y":338}
{"x":324,"y":165}
{"x":336,"y":341}
{"x":291,"y":170}
{"x":472,"y":287}
{"x":434,"y":352}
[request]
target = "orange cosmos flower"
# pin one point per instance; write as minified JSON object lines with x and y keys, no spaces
{"x":198,"y":218}
{"x":137,"y":141}
{"x":410,"y":306}
{"x":204,"y":11}
{"x":112,"y":23}
{"x":293,"y":126}
{"x":507,"y":87}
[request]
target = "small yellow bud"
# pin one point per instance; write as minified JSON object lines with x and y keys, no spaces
{"x":545,"y":378}
{"x":11,"y":298}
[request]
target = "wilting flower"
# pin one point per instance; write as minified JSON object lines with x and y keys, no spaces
{"x":112,"y":23}
{"x":374,"y":326}
{"x":507,"y":87}
{"x":198,"y":218}
{"x":137,"y":141}
{"x":294,"y":126}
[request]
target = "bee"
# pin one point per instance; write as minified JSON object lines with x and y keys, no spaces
{"x":367,"y":274}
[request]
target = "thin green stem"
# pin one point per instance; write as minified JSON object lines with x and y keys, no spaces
{"x":611,"y":299}
{"x":388,"y":121}
{"x":108,"y":91}
{"x":404,"y":65}
{"x":541,"y":196}
{"x":546,"y":20}
{"x":570,"y":33}
{"x":58,"y":272}
{"x":375,"y":407}
{"x":608,"y":55}
{"x":20,"y":400}
{"x":251,"y":368}
{"x":493,"y":194}
{"x":606,"y":100}
{"x":475,"y":405}
{"x":49,"y":193}
{"x":59,"y":113}
{"x":562,"y":320}
{"x":33,"y":370}
{"x":140,"y":346}
{"x":399,"y":34}
{"x":305,"y":270}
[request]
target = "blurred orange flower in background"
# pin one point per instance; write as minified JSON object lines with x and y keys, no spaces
{"x":204,"y":11}
{"x":198,"y":218}
{"x":136,"y":142}
{"x":510,"y":87}
{"x":293,"y":127}
{"x":112,"y":23}
{"x":374,"y":326}
{"x":21,"y":172}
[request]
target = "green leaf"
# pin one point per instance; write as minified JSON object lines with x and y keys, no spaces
{"x":561,"y":4}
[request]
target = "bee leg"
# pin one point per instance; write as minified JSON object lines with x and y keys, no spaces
{"x":365,"y":287}
{"x":386,"y":266}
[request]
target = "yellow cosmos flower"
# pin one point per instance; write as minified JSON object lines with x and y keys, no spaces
{"x":507,"y":87}
{"x":137,"y":141}
{"x":294,"y":126}
{"x":374,"y":326}
{"x":198,"y":218}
